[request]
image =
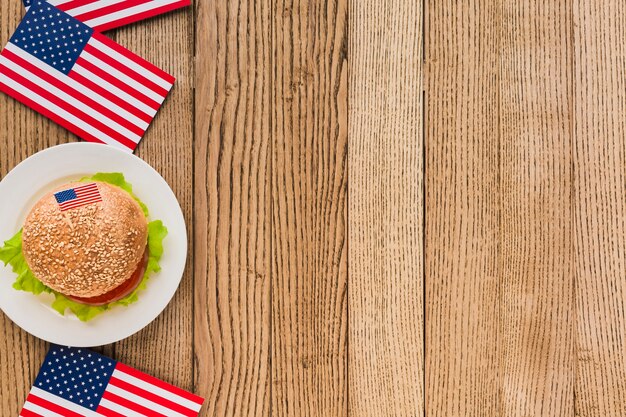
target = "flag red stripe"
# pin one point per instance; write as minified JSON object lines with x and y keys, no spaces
{"x":126,"y":70}
{"x":28,"y":413}
{"x":107,"y":412}
{"x":51,"y":406}
{"x":72,"y":92}
{"x":86,"y":191}
{"x":141,"y":16}
{"x":158,"y":383}
{"x":80,"y":201}
{"x":112,"y":8}
{"x":75,"y":204}
{"x":151,"y":397}
{"x":110,"y":96}
{"x":130,"y":405}
{"x":88,"y":187}
{"x":74,"y":4}
{"x":112,"y":133}
{"x":138,"y":60}
{"x":117,"y":83}
{"x":49,"y":114}
{"x":93,"y":194}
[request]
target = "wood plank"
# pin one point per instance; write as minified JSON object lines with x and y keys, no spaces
{"x":499,"y":271}
{"x":232,"y":207}
{"x":385,"y":211}
{"x":536,"y":334}
{"x":600,"y":206}
{"x":538,"y":308}
{"x":462,"y":208}
{"x":309,"y":208}
{"x":165,"y":348}
{"x":22,"y":133}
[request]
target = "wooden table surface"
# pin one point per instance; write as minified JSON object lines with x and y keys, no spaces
{"x":396,"y":208}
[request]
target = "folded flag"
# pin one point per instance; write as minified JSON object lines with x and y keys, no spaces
{"x":80,"y":79}
{"x":108,"y":14}
{"x":77,"y":382}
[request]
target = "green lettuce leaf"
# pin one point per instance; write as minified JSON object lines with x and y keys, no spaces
{"x":116,"y":178}
{"x":11,"y":254}
{"x":156,"y":234}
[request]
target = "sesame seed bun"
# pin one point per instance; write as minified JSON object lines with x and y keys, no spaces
{"x":86,"y":251}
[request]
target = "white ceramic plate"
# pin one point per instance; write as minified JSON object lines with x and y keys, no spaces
{"x":35,"y":176}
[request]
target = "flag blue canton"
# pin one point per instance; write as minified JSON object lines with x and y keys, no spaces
{"x":66,"y":195}
{"x":76,"y":375}
{"x":52,"y":36}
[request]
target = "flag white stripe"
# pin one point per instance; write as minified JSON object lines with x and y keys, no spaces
{"x":93,"y":196}
{"x":77,"y":86}
{"x":63,"y":402}
{"x":92,"y":189}
{"x":40,"y":410}
{"x":69,"y":99}
{"x":86,"y":189}
{"x":120,"y":409}
{"x":57,"y":2}
{"x":143,"y":401}
{"x":156,"y":390}
{"x":68,"y":206}
{"x":123,"y":77}
{"x":129,"y":12}
{"x":92,"y":6}
{"x":113,"y":89}
{"x":89,"y":195}
{"x":139,"y":69}
{"x":74,"y":203}
{"x":82,"y":199}
{"x":61,"y":112}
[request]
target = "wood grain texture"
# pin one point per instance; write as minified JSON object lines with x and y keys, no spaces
{"x":535,"y":244}
{"x":232,"y":207}
{"x":600,"y":206}
{"x":309,"y":207}
{"x":499,"y":238}
{"x":165,"y":348}
{"x":385,"y":211}
{"x":462,"y":209}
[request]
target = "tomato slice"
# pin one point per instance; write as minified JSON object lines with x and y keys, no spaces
{"x":119,"y":292}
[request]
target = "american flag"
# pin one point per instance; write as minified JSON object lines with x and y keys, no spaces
{"x":78,"y":197}
{"x":108,"y":14}
{"x":76,"y":382}
{"x":80,"y":79}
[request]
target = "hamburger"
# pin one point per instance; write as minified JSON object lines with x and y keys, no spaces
{"x":91,"y":249}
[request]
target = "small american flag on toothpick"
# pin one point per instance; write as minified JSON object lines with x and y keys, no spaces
{"x":80,"y":79}
{"x":77,"y":382}
{"x":108,"y":14}
{"x":78,"y":196}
